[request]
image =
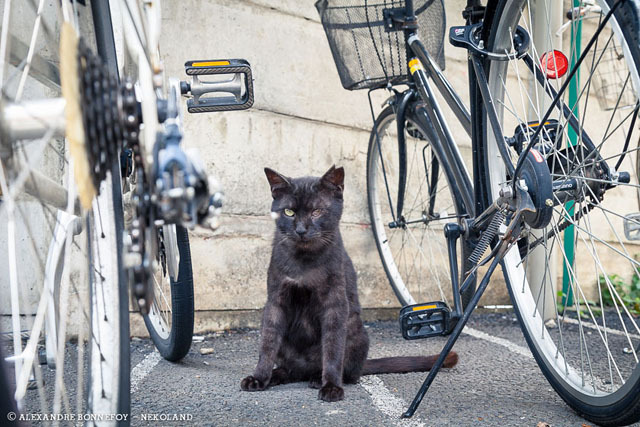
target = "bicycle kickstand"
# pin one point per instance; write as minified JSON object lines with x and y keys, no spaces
{"x":519,"y":205}
{"x":453,"y":337}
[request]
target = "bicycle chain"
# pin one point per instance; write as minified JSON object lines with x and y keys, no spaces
{"x":140,"y":274}
{"x":576,"y":216}
{"x":129,"y":114}
{"x":562,"y":226}
{"x":593,"y":199}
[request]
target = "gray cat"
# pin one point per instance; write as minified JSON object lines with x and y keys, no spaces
{"x":311,"y":326}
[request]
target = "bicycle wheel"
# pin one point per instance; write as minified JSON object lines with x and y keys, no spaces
{"x":170,"y":319}
{"x":414,"y":254}
{"x":65,"y":290}
{"x":567,"y":279}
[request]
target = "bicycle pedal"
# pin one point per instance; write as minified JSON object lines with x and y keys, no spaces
{"x":632,"y":226}
{"x":425,"y":320}
{"x":233,"y":93}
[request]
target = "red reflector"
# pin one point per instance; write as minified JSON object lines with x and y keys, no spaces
{"x":554,"y":64}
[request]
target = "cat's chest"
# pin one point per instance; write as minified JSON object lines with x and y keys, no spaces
{"x":305,"y":278}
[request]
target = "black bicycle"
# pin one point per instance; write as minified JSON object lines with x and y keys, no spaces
{"x":552,"y":198}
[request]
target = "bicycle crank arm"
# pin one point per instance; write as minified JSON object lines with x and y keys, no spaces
{"x":233,"y":93}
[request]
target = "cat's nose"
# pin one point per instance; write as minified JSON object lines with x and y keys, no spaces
{"x":300,"y":230}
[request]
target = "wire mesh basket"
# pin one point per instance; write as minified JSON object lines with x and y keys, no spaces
{"x":365,"y":54}
{"x":611,"y":79}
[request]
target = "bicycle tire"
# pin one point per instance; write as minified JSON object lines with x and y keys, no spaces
{"x":116,"y":357}
{"x":407,"y":290}
{"x":610,"y":407}
{"x":174,"y":341}
{"x":105,"y":47}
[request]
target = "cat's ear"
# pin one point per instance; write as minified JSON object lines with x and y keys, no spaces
{"x":277,"y":182}
{"x":334,"y":178}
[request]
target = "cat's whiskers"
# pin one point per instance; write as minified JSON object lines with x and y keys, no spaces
{"x":327,"y":238}
{"x":281,"y":238}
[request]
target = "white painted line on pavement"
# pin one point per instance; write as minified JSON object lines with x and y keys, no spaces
{"x":390,"y":405}
{"x":143,"y":368}
{"x":515,"y":348}
{"x":393,"y":406}
{"x":590,"y":325}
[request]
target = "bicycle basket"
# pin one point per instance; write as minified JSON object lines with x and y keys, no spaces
{"x":365,"y":54}
{"x":611,"y":77}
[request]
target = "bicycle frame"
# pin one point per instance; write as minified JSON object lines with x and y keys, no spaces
{"x":471,"y":202}
{"x":440,"y":134}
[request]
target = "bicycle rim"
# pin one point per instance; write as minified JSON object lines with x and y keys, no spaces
{"x":161,"y":315}
{"x":414,"y":255}
{"x":569,"y":295}
{"x":68,"y":317}
{"x":170,"y":320}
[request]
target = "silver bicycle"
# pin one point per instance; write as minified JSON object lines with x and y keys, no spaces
{"x":96,"y":196}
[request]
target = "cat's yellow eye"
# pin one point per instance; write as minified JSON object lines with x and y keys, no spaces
{"x":316,"y":213}
{"x":289,"y":212}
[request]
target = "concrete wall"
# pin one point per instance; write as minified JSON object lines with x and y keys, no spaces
{"x":302,"y":122}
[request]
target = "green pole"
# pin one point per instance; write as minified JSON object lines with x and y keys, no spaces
{"x":569,"y":232}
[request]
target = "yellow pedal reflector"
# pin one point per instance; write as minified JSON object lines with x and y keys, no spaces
{"x":424,"y":307}
{"x":209,"y":63}
{"x":69,"y":81}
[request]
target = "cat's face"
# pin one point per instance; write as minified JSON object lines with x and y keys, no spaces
{"x":307,"y":209}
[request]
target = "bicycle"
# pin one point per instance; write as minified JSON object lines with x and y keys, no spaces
{"x":552,"y":159}
{"x":85,"y":120}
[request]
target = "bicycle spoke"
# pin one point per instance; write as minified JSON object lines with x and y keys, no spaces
{"x":164,"y":298}
{"x":575,"y":285}
{"x":599,"y":265}
{"x":592,"y":236}
{"x":32,"y":45}
{"x":416,"y":243}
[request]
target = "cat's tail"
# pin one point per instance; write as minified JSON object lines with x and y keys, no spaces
{"x":404,"y":364}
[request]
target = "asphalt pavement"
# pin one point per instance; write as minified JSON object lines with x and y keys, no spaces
{"x":496,"y":383}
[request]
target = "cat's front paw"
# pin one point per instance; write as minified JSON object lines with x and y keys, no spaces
{"x":331,"y":393}
{"x":251,"y":383}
